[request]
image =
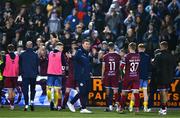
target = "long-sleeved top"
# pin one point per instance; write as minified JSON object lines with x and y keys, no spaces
{"x":82,"y":65}
{"x":165,"y":65}
{"x":144,"y":66}
{"x":29,"y":63}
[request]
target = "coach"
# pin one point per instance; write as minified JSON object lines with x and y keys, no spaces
{"x":82,"y":70}
{"x":165,"y":66}
{"x":29,"y":70}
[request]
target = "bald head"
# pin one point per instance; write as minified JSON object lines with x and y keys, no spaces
{"x":29,"y":44}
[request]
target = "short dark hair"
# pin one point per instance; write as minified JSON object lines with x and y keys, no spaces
{"x":111,"y":45}
{"x":164,"y":44}
{"x":11,"y":47}
{"x":85,"y":40}
{"x":54,"y":35}
{"x":132,"y":45}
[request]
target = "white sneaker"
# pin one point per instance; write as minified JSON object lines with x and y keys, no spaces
{"x":162,"y":112}
{"x":110,"y":107}
{"x":145,"y":109}
{"x":85,"y":111}
{"x":11,"y":107}
{"x":148,"y":110}
{"x":117,"y":107}
{"x":130,"y":109}
{"x":71,"y":107}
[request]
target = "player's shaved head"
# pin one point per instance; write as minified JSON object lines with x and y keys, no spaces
{"x":29,"y":44}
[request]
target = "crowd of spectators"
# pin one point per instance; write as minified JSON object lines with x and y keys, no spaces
{"x":46,"y":22}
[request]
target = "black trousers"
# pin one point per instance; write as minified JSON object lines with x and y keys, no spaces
{"x":25,"y":88}
{"x":1,"y":88}
{"x":84,"y":88}
{"x":152,"y":91}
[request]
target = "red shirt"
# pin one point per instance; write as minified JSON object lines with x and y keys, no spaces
{"x":112,"y":63}
{"x":132,"y":66}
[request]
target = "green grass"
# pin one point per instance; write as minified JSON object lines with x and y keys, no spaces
{"x":43,"y":112}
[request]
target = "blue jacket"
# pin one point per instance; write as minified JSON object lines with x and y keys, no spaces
{"x":144,"y":66}
{"x":82,"y":65}
{"x":29,"y":63}
{"x":73,"y":21}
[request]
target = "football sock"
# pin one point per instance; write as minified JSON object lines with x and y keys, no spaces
{"x":107,"y":100}
{"x":163,"y":106}
{"x":136,"y":95}
{"x":116,"y":97}
{"x":49,"y":95}
{"x":123,"y":101}
{"x":11,"y":101}
{"x":145,"y":104}
{"x":66,"y":97}
{"x":56,"y":97}
{"x":131,"y":104}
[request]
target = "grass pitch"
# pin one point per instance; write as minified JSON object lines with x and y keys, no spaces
{"x":44,"y":112}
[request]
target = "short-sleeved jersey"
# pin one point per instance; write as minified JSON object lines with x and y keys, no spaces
{"x":132,"y":61}
{"x":112,"y":64}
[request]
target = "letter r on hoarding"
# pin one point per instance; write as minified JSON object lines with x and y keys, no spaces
{"x":97,"y":85}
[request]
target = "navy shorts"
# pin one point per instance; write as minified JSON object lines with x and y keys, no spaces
{"x":54,"y":81}
{"x":143,"y":83}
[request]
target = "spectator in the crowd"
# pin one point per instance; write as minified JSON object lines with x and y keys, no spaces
{"x":50,"y":45}
{"x":161,"y":9}
{"x":17,"y":39}
{"x":107,"y":35}
{"x":67,"y":6}
{"x":96,"y":64}
{"x":177,"y":25}
{"x":151,"y":39}
{"x":130,"y":20}
{"x":38,"y":44}
{"x":178,"y":70}
{"x":99,"y":18}
{"x":38,"y":20}
{"x":54,"y":23}
{"x":21,"y":19}
{"x":174,"y":7}
{"x":8,"y":34}
{"x":130,"y":37}
{"x":34,"y":5}
{"x":72,"y":19}
{"x":140,"y":29}
{"x":154,"y":20}
{"x":45,"y":34}
{"x":54,"y":6}
{"x":113,"y":20}
{"x":78,"y":33}
{"x":168,"y":34}
{"x":90,"y":30}
{"x":67,"y":39}
{"x":87,"y":18}
{"x":141,"y":12}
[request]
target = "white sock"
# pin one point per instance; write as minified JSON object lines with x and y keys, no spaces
{"x":32,"y":102}
{"x":26,"y":106}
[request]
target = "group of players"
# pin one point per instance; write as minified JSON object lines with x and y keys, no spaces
{"x":131,"y":70}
